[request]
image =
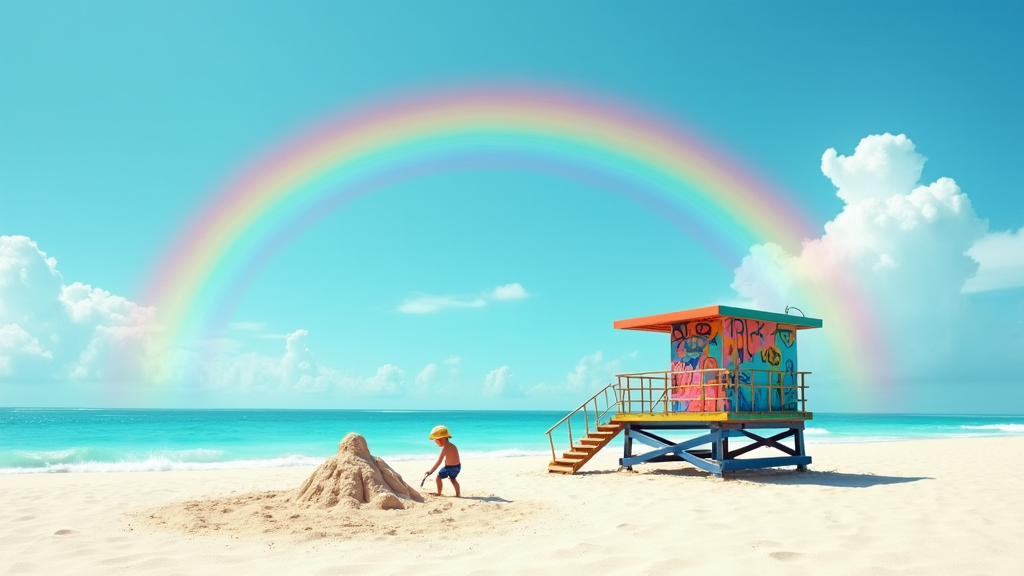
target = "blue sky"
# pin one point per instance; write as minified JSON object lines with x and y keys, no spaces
{"x":118,"y":119}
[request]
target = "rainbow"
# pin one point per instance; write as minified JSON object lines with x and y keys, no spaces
{"x":658,"y":165}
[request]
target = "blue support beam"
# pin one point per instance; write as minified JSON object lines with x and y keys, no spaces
{"x":750,"y":463}
{"x":661,"y":449}
{"x":680,"y":449}
{"x":717,"y":458}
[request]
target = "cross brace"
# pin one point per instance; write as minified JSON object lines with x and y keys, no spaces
{"x":719,"y":458}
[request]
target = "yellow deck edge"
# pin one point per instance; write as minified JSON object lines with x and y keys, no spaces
{"x":712,"y":416}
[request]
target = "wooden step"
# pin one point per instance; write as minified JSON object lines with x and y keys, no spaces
{"x":587,"y":446}
{"x":568,"y":461}
{"x":559,"y":469}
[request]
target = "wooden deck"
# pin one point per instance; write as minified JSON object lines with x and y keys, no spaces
{"x":625,"y":417}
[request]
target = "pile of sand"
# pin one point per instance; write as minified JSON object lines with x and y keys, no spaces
{"x":354,"y":477}
{"x":351,"y":493}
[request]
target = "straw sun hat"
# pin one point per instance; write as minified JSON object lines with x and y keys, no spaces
{"x":439,"y":432}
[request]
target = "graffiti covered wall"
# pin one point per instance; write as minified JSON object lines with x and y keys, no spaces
{"x":764,"y":353}
{"x":757,"y":346}
{"x":696,"y":353}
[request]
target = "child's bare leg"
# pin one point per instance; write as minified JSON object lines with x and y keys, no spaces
{"x":438,"y":485}
{"x":458,"y":491}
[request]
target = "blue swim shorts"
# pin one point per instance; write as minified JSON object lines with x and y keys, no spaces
{"x":449,"y":472}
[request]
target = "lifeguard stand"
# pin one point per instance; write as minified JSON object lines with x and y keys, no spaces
{"x":732,"y":371}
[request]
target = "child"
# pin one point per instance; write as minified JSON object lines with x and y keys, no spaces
{"x":450,"y":455}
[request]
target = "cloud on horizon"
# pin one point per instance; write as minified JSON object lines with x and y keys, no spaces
{"x":296,"y":370}
{"x":53,"y":331}
{"x":498,"y":382}
{"x":591,"y":373}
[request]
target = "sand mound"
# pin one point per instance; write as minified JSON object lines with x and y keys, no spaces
{"x":354,"y":477}
{"x":351,"y":494}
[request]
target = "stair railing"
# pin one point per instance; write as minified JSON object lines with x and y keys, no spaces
{"x":603,"y":402}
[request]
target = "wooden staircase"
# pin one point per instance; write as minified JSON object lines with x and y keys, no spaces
{"x":588,"y":446}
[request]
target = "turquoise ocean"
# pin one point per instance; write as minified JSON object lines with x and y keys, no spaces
{"x":99,"y":440}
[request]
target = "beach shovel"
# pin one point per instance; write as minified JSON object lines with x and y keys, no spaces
{"x":427,"y":475}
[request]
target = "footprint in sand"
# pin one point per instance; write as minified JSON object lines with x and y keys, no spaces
{"x":786,"y":556}
{"x":63,"y":532}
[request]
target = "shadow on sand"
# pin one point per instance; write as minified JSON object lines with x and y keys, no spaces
{"x":808,"y":478}
{"x":491,"y":498}
{"x":823,"y":478}
{"x":780,"y":477}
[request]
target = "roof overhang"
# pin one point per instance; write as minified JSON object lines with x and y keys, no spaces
{"x":664,"y":322}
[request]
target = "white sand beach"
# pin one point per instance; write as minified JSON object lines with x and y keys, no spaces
{"x":927,"y":507}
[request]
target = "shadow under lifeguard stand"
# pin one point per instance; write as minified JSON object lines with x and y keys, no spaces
{"x":733,"y":371}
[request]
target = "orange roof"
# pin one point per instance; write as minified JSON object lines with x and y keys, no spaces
{"x":664,"y":322}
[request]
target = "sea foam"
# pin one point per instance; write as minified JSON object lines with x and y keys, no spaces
{"x":1011,"y":428}
{"x":202,"y":459}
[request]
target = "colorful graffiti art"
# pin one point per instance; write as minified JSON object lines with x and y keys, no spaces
{"x":733,"y":363}
{"x":696,"y":359}
{"x":763,"y":357}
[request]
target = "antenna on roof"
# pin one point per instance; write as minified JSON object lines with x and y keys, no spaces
{"x":788,"y":308}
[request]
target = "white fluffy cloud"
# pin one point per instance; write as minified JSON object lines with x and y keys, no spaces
{"x":429,"y":304}
{"x":298,"y":367}
{"x":388,"y":380}
{"x":427,"y":376}
{"x":591,"y":373}
{"x":513,"y":291}
{"x":911,"y":249}
{"x":52,"y":331}
{"x":439,"y":378}
{"x":297,"y":370}
{"x":881,"y":167}
{"x":1000,"y":257}
{"x":498,"y":382}
{"x":19,"y":347}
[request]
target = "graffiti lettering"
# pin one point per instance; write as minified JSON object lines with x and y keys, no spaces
{"x":771,"y":355}
{"x":736,"y":329}
{"x":787,"y":336}
{"x":755,"y":337}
